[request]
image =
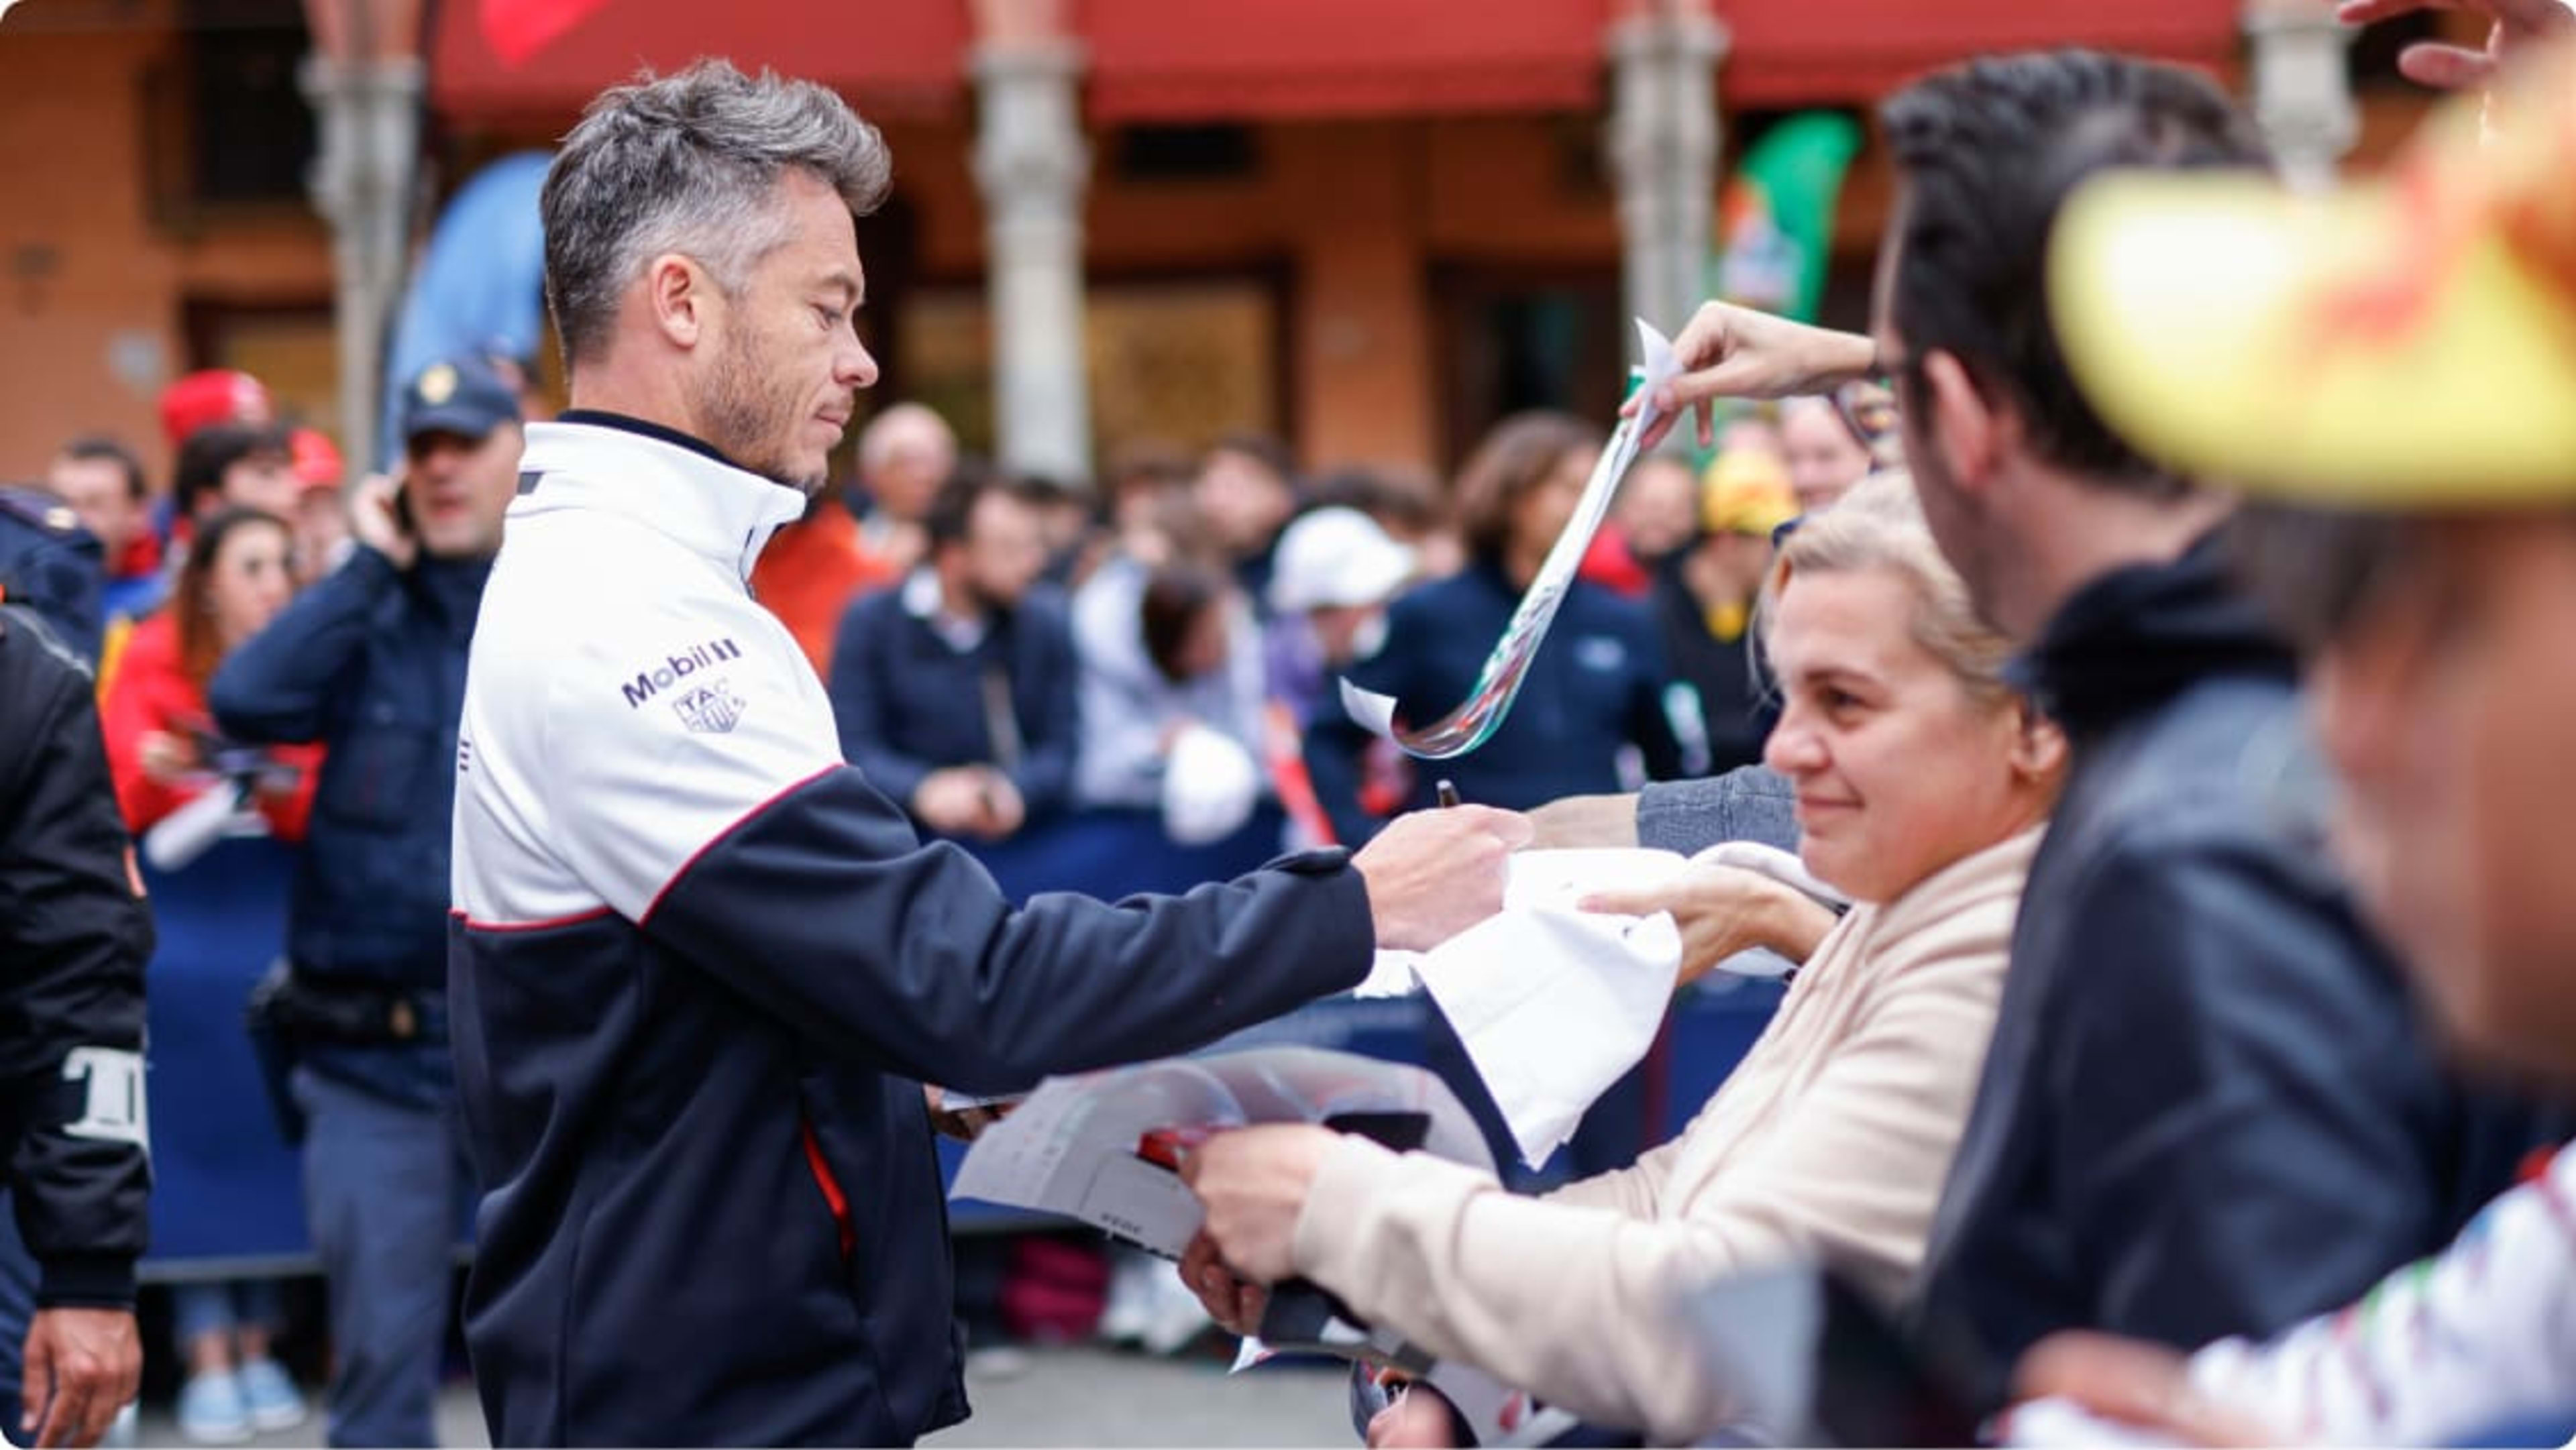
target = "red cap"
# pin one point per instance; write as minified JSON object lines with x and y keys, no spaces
{"x":217,"y":395}
{"x":316,"y":458}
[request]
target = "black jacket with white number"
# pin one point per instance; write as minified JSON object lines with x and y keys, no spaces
{"x":74,"y":935}
{"x":700,"y":967}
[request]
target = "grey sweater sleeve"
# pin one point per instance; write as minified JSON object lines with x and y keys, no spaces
{"x":1751,"y":803}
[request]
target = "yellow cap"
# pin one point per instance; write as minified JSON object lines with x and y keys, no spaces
{"x":2406,"y":343}
{"x":1746,"y":491}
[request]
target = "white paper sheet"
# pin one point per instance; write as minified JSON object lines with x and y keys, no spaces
{"x":1071,"y":1148}
{"x":1553,"y":1004}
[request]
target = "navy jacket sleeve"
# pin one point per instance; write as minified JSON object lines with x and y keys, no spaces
{"x":291,"y":682}
{"x":75,"y":934}
{"x":746,"y":847}
{"x":1051,"y":719}
{"x":2251,"y":1151}
{"x":825,"y":910}
{"x":862,"y":697}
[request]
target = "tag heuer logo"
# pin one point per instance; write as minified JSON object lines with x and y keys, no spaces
{"x":710,"y":709}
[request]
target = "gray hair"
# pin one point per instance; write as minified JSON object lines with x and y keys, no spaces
{"x":689,"y":163}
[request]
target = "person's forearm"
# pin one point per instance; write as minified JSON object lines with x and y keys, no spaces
{"x":1585,"y":822}
{"x":1792,"y":923}
{"x":1847,"y":357}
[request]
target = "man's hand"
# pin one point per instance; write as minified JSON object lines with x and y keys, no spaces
{"x":951,"y":801}
{"x":83,"y":1365}
{"x":963,"y":1124}
{"x":1722,"y":910}
{"x":1236,"y":1306}
{"x":1583,"y":822}
{"x":166,"y":758}
{"x":1253,"y":1184}
{"x":1004,"y":811}
{"x":376,"y":520}
{"x":1735,"y":352}
{"x":2515,"y":27}
{"x":2131,"y":1382}
{"x":1433,"y":874}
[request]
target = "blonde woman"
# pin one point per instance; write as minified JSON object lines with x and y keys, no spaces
{"x":1922,"y":782}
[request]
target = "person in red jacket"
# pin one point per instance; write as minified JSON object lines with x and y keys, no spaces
{"x":161,"y":741}
{"x":165,"y":754}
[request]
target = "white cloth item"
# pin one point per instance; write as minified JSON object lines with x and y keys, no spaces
{"x":1553,"y":1004}
{"x":1210,"y":785}
{"x":1336,"y":558}
{"x":925,"y":599}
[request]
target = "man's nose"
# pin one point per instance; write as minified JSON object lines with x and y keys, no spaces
{"x":856,"y":367}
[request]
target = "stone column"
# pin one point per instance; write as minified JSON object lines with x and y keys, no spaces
{"x":1031,"y":163}
{"x":362,"y":181}
{"x":2302,"y":86}
{"x":1663,"y":145}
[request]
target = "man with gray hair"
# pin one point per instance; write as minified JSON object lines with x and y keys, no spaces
{"x":905,"y":454}
{"x":699,"y":967}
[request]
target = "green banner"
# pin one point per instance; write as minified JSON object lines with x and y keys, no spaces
{"x":1775,"y":231}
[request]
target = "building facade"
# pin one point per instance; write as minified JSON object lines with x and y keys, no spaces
{"x":1371,"y":228}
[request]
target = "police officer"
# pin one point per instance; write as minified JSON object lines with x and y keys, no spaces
{"x":370,"y":662}
{"x":700,"y":965}
{"x":52,"y":565}
{"x":74,"y":935}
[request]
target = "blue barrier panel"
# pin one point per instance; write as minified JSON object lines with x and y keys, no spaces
{"x":226,"y":1197}
{"x":226,"y":1193}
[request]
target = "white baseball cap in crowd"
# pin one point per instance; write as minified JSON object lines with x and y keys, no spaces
{"x":1336,"y":558}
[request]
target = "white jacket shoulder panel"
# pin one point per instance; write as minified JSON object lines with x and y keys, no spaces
{"x":628,"y":702}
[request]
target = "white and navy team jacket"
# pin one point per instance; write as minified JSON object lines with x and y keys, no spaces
{"x":698,"y":967}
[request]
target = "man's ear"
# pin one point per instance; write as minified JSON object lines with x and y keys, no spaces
{"x":2039,"y":751}
{"x":680,"y":294}
{"x":1967,"y":429}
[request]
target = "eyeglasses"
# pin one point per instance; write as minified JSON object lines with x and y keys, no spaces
{"x":1868,"y":409}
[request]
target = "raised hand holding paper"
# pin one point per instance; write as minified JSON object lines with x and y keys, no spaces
{"x":1475,"y":721}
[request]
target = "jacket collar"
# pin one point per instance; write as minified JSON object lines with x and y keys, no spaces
{"x":677,"y":485}
{"x":2134,"y":638}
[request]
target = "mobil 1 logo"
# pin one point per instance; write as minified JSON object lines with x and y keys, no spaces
{"x":695,"y":660}
{"x":704,"y":703}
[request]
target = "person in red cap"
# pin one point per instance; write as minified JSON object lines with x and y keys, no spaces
{"x":321,"y":521}
{"x":216,"y":395}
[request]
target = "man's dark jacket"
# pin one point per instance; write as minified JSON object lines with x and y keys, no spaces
{"x":2210,"y":1108}
{"x":371,"y":663}
{"x":74,"y":936}
{"x":908,"y":703}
